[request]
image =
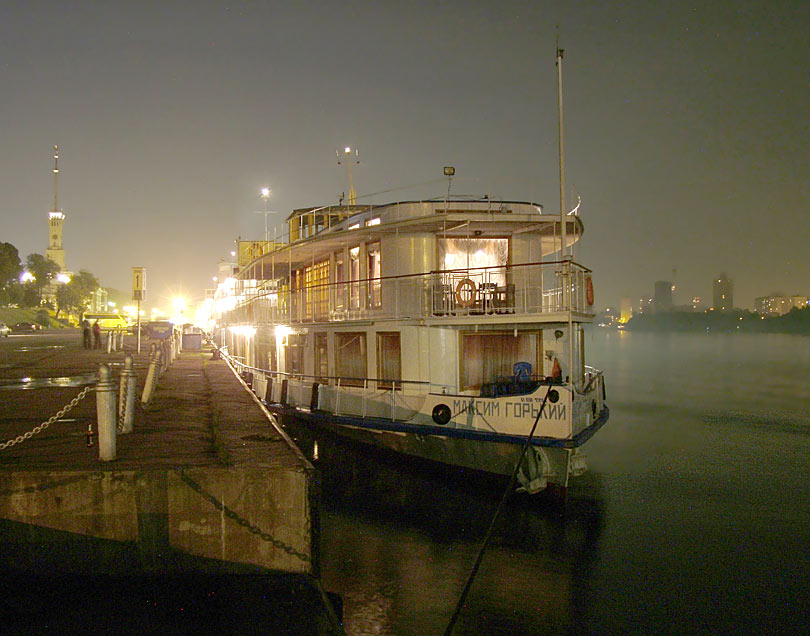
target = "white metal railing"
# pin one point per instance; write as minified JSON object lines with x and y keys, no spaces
{"x":533,"y":288}
{"x":364,"y":397}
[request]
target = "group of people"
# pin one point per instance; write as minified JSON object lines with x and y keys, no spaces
{"x":91,"y":336}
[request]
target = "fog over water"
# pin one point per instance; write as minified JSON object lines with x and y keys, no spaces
{"x":692,"y":519}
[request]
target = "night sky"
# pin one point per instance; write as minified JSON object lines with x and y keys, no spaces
{"x":686,"y":128}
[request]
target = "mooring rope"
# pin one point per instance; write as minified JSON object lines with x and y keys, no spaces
{"x":505,"y":496}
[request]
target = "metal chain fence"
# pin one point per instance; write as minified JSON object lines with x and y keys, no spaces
{"x":38,"y":429}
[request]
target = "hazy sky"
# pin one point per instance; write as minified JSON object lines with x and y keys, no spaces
{"x":686,"y":127}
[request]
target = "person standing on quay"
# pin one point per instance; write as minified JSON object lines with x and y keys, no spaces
{"x":86,"y":333}
{"x":96,"y":335}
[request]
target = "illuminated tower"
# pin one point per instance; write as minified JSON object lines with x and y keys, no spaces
{"x":55,"y":251}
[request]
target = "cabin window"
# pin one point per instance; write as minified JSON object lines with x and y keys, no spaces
{"x":272,"y":355}
{"x":340,"y":278}
{"x":463,"y":253}
{"x":354,"y":277}
{"x":266,"y":351}
{"x":486,"y":356}
{"x":374,"y":291}
{"x":389,"y":359}
{"x":316,"y":280}
{"x":321,"y":356}
{"x":295,"y":353}
{"x":350,"y":358}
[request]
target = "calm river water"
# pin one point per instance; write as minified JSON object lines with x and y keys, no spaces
{"x":693,"y":519}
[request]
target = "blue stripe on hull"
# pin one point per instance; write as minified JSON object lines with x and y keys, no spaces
{"x":380,"y":424}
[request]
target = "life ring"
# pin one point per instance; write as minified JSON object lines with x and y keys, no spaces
{"x":589,"y":290}
{"x":465,"y":292}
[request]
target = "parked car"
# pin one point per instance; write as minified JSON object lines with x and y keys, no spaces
{"x":22,"y":327}
{"x":4,"y":330}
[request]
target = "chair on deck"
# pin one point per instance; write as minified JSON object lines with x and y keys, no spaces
{"x":523,"y":377}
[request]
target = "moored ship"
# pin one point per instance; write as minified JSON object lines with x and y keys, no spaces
{"x":448,"y":329}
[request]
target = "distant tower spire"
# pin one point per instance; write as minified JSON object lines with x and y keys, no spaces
{"x":55,"y":178}
{"x":56,"y":218}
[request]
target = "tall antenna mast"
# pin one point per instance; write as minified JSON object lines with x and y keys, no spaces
{"x":563,"y":238}
{"x":56,"y":178}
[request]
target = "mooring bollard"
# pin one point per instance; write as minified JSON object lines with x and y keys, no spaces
{"x":151,"y":374}
{"x":126,"y":396}
{"x":105,"y":414}
{"x":163,"y":360}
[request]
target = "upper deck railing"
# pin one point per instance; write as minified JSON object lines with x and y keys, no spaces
{"x":527,"y":289}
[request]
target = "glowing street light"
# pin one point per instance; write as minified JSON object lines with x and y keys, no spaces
{"x":348,"y":159}
{"x":265,"y":194}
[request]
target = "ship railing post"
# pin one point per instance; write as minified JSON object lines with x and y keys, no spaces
{"x":365,"y":393}
{"x":105,"y":413}
{"x":337,"y":397}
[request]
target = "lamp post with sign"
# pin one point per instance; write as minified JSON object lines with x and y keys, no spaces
{"x":138,"y":294}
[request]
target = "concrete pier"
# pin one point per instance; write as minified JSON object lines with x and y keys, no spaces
{"x":205,"y":482}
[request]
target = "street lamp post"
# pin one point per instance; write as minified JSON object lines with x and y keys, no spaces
{"x":265,"y":197}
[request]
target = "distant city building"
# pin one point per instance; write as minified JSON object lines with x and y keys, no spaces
{"x":697,"y":303}
{"x":662,"y":298}
{"x":777,"y":305}
{"x":626,"y":309}
{"x":723,"y":293}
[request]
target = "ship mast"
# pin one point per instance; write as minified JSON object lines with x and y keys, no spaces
{"x":563,"y":229}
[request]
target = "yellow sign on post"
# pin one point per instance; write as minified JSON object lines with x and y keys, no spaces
{"x":138,"y":283}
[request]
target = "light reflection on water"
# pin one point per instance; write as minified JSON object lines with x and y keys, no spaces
{"x":44,"y":383}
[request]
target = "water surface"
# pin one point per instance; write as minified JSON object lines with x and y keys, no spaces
{"x":692,"y":520}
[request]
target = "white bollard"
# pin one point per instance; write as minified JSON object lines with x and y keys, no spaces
{"x":126,"y":401}
{"x":105,"y":414}
{"x":163,"y":358}
{"x":151,"y":374}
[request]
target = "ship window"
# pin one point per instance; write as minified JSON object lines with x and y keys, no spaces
{"x":316,"y":279}
{"x":266,"y":351}
{"x":321,"y":356}
{"x":340,"y":278}
{"x":465,"y":253}
{"x":389,"y":359}
{"x":350,"y":358}
{"x":295,"y":353}
{"x":354,"y":277}
{"x":486,"y":356}
{"x":374,"y":290}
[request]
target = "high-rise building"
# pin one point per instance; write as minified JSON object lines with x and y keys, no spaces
{"x":56,"y":218}
{"x":662,"y":299}
{"x":723,"y":293}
